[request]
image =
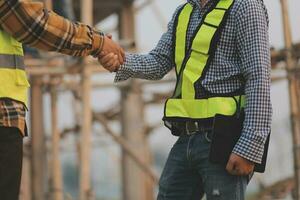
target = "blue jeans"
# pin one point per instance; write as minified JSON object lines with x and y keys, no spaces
{"x":188,"y":174}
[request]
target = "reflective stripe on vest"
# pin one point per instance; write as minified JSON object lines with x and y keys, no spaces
{"x":201,"y":108}
{"x":12,"y":62}
{"x":192,"y":62}
{"x":13,"y":79}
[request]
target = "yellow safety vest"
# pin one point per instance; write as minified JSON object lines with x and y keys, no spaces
{"x":192,"y":64}
{"x":13,"y":79}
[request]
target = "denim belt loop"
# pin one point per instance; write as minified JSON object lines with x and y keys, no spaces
{"x":191,"y":128}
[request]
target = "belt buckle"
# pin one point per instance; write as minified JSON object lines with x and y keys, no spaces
{"x":188,"y":126}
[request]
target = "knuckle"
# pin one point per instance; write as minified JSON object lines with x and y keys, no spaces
{"x":232,"y":162}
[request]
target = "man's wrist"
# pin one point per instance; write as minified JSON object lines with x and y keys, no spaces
{"x":241,"y":156}
{"x":97,"y":44}
{"x":249,"y":149}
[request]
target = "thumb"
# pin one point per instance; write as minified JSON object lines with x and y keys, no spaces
{"x":230,"y":166}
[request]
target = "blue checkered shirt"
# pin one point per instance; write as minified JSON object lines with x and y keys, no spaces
{"x":243,"y":50}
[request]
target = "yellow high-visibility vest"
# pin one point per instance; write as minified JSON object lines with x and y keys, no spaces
{"x":13,"y":79}
{"x":192,"y":64}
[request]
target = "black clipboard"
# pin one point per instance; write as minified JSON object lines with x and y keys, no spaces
{"x":226,"y":133}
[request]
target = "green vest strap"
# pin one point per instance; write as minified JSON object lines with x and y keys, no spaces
{"x":201,"y":47}
{"x":12,"y":61}
{"x":192,"y":61}
{"x":202,"y":108}
{"x":181,"y":31}
{"x":180,"y":47}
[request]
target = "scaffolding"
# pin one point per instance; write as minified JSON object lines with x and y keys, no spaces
{"x":42,"y":173}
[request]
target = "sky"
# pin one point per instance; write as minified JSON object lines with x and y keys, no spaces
{"x":148,"y":35}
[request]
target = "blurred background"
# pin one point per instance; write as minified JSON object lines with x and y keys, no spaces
{"x":93,"y":139}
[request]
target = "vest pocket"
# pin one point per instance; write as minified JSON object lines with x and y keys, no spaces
{"x":21,"y":79}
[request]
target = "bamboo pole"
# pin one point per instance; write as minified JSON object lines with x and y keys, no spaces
{"x":85,"y":140}
{"x":130,"y":150}
{"x":38,"y":144}
{"x":292,"y":78}
{"x":136,"y":185}
{"x":56,"y":175}
{"x":26,"y":175}
{"x":133,"y":130}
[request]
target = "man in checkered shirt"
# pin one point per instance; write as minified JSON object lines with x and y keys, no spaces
{"x":243,"y":50}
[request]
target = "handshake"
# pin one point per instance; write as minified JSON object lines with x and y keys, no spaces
{"x":112,"y":55}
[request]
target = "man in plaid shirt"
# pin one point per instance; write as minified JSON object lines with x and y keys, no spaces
{"x":32,"y":24}
{"x":242,"y":51}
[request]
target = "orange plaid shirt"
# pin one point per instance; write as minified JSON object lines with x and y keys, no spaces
{"x":30,"y":23}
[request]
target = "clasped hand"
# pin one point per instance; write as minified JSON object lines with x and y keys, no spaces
{"x":112,"y":55}
{"x":239,"y":166}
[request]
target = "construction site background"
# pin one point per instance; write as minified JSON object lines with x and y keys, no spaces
{"x":91,"y":139}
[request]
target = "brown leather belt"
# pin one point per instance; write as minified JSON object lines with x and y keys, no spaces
{"x":192,"y":127}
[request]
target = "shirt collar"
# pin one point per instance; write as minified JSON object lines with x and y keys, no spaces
{"x":194,"y":2}
{"x":197,"y":3}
